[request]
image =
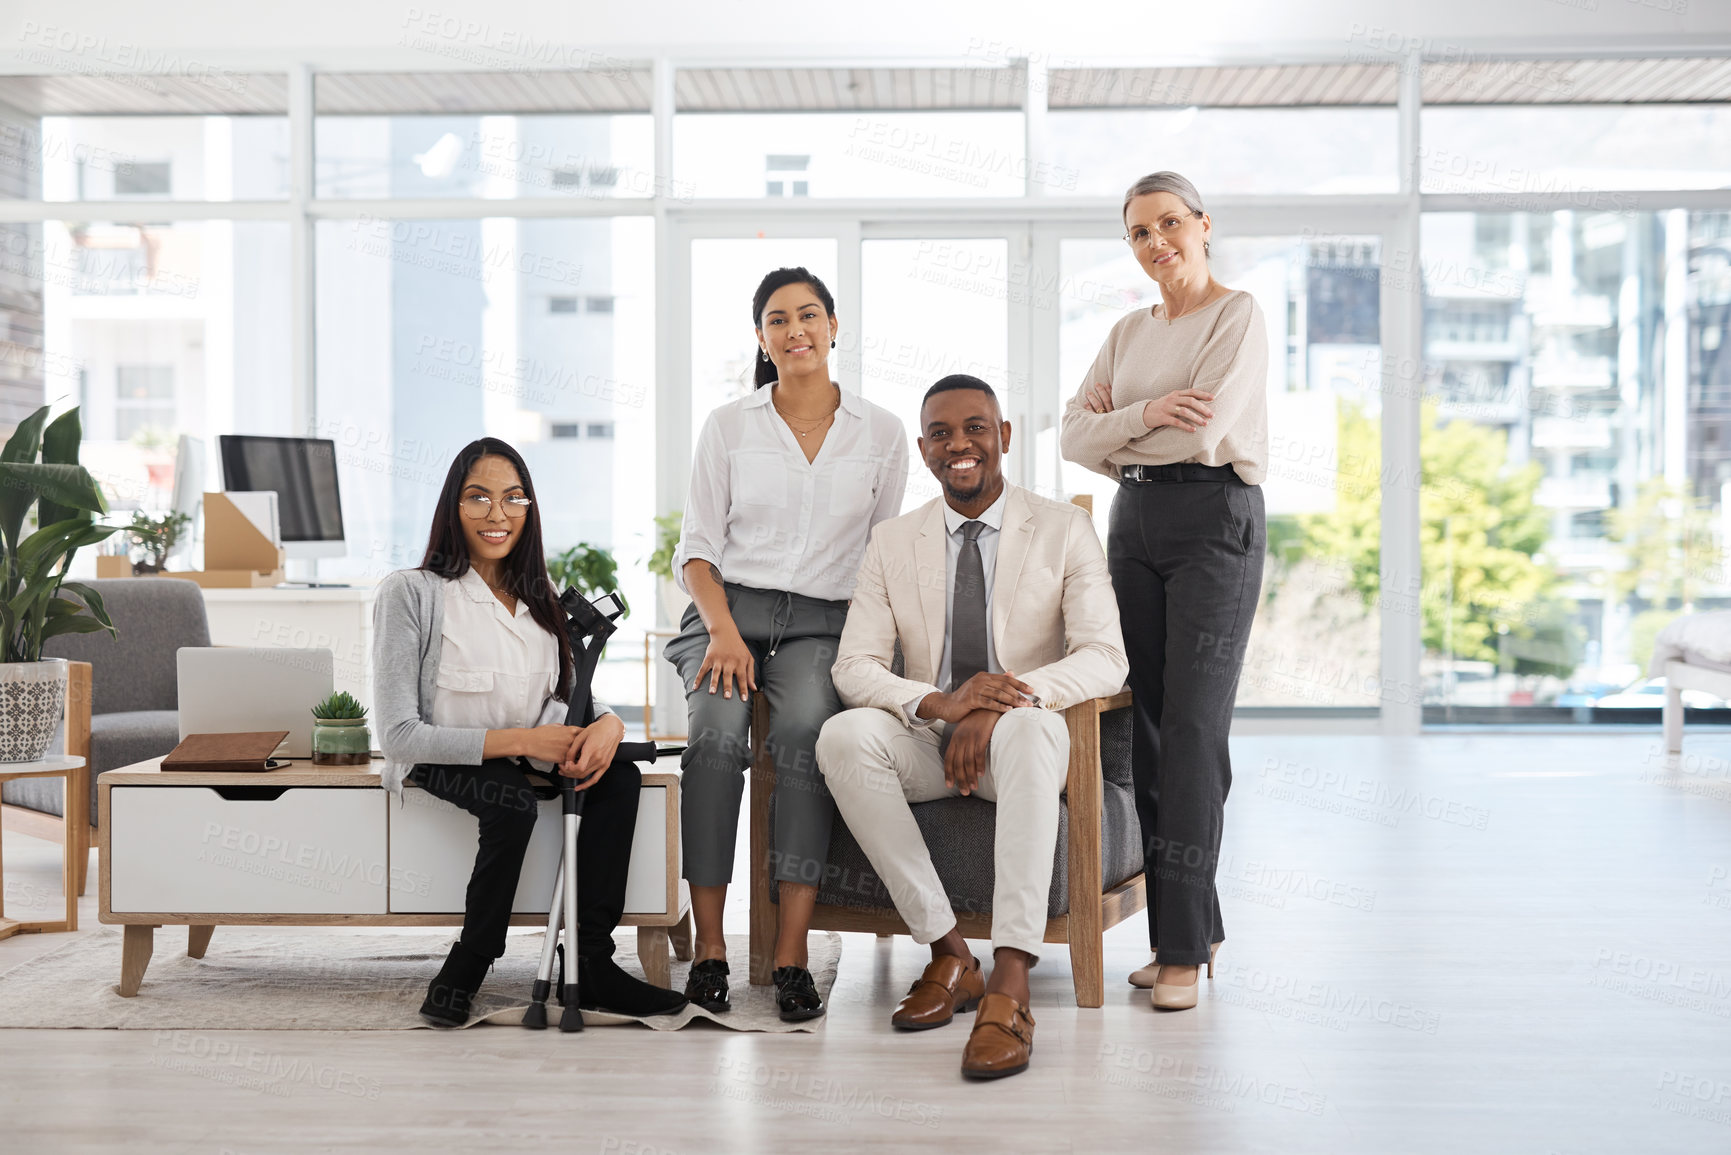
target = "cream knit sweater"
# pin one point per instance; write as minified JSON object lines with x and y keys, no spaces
{"x":1221,"y":348}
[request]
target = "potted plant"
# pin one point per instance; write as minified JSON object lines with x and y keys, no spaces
{"x":673,"y":599}
{"x":590,"y":568}
{"x":156,"y":537}
{"x":340,"y":736}
{"x":39,"y":471}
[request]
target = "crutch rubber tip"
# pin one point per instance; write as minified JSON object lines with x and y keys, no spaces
{"x":572,"y":1019}
{"x":535,"y":1016}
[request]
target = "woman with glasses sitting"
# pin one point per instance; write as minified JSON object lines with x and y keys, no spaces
{"x":472,"y":670}
{"x":1175,"y":409}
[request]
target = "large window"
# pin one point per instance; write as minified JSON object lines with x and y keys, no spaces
{"x":492,"y":157}
{"x":1574,"y":448}
{"x":1229,"y":151}
{"x":1316,"y":639}
{"x":156,"y":330}
{"x":855,"y":154}
{"x":556,"y":247}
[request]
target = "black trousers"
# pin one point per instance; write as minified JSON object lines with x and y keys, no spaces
{"x":502,"y":796}
{"x":1186,"y":562}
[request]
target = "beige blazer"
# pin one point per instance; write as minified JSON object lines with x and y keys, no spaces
{"x":1054,"y":615}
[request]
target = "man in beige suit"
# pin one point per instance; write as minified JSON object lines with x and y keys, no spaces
{"x":1005,"y":615}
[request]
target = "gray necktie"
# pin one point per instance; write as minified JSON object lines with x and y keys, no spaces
{"x":968,"y":609}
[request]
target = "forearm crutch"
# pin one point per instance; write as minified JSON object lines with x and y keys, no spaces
{"x":588,"y":626}
{"x":562,"y":910}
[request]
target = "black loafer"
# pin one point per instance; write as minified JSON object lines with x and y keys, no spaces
{"x":796,"y":994}
{"x":706,"y":985}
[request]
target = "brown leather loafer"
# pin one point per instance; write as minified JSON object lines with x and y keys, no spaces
{"x":949,"y":985}
{"x":1003,"y":1039}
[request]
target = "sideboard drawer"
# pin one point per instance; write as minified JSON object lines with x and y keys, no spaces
{"x":433,"y":853}
{"x":253,"y":849}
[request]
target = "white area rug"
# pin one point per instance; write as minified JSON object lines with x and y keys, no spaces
{"x":281,"y":980}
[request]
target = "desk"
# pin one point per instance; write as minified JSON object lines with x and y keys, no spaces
{"x":340,"y":620}
{"x":54,"y":766}
{"x":328,"y":845}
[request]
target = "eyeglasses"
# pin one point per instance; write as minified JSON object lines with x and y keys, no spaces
{"x":1168,"y":226}
{"x":478,"y":505}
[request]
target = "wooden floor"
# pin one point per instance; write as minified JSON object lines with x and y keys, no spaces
{"x":1460,"y":943}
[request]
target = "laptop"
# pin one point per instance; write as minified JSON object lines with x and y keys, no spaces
{"x":245,"y":689}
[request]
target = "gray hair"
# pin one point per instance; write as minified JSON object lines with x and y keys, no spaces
{"x":1166,"y":181}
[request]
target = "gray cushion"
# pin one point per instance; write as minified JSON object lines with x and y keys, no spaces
{"x":135,"y":669}
{"x":960,"y":833}
{"x":116,"y":740}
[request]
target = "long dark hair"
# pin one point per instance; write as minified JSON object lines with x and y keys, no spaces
{"x":781,"y":279}
{"x":524,"y":569}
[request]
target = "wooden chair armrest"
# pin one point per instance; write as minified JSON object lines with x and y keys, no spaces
{"x":78,"y":700}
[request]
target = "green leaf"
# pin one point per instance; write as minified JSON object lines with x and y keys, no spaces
{"x":24,"y":444}
{"x":62,"y":484}
{"x":60,"y":442}
{"x":91,"y":599}
{"x":81,"y":624}
{"x":15,"y":500}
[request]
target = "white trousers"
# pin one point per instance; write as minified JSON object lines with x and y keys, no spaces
{"x":876,"y":765}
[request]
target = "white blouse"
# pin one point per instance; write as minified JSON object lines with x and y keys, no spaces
{"x":767,"y":518}
{"x":497,"y":670}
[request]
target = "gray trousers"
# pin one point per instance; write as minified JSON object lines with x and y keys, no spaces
{"x":1186,"y":563}
{"x":793,"y":639}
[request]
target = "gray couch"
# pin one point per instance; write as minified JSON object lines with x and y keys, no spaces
{"x":134,"y":689}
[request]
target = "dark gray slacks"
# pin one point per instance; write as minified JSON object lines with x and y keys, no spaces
{"x":794,"y":640}
{"x":1186,"y":564}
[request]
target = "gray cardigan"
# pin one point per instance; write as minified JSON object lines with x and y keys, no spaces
{"x":408,"y":635}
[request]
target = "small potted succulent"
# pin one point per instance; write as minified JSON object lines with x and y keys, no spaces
{"x":340,"y":736}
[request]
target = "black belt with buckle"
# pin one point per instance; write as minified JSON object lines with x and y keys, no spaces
{"x":1184,"y":471}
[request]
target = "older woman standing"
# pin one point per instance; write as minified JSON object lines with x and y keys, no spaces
{"x":1175,"y":408}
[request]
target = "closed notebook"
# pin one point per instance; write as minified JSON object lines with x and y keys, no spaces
{"x":250,"y":751}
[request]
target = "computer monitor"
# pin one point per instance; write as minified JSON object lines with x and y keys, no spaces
{"x":188,"y":490}
{"x":303,"y":472}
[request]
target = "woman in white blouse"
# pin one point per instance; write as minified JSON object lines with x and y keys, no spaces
{"x":786,"y":485}
{"x":472,"y":670}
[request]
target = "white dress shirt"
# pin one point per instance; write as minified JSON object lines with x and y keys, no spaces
{"x":499,"y":670}
{"x":767,"y":518}
{"x":988,"y":543}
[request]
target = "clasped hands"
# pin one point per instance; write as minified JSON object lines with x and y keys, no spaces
{"x":972,"y":710}
{"x":580,"y":752}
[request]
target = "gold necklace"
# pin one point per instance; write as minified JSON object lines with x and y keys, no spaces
{"x":818,"y":424}
{"x":1170,"y":318}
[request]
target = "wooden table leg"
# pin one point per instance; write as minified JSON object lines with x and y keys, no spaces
{"x":71,"y":824}
{"x":135,"y":957}
{"x":197,"y":939}
{"x":680,"y":936}
{"x":652,"y":953}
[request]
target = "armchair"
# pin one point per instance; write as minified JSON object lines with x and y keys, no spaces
{"x":122,"y":703}
{"x":1097,"y":879}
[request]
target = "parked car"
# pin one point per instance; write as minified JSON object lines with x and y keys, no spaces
{"x":1650,"y":695}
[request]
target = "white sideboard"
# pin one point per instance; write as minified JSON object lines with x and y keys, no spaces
{"x":338,"y":619}
{"x":311,"y":845}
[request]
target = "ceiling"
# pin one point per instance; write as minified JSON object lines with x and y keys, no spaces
{"x":627,"y":88}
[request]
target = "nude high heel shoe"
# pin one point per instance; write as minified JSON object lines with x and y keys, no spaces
{"x":1143,"y":977}
{"x":1173,"y":997}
